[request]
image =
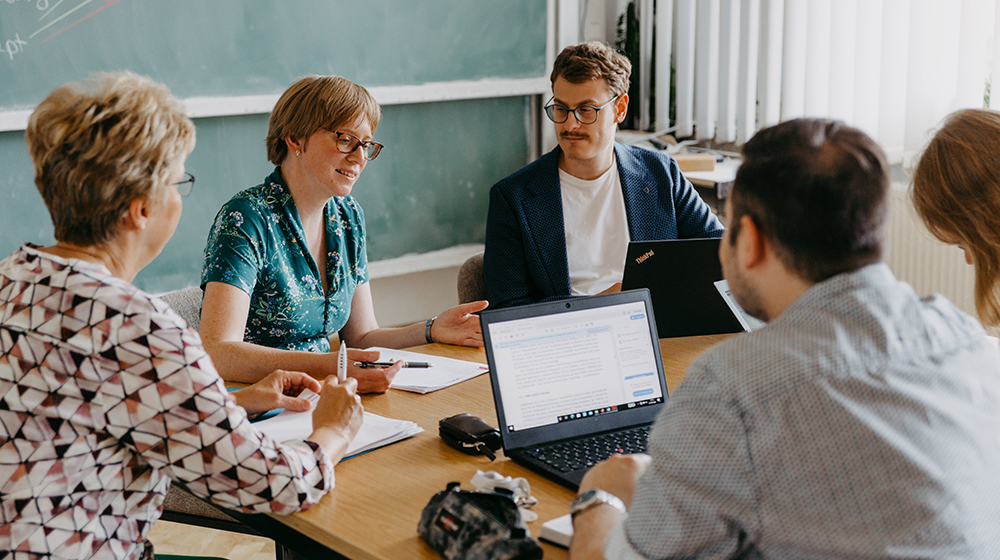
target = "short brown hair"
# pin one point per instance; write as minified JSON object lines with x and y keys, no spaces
{"x":101,"y":143}
{"x":316,"y":102}
{"x":590,"y":61}
{"x":956,"y":191}
{"x":818,"y":191}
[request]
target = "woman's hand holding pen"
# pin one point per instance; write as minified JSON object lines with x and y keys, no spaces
{"x":370,"y":380}
{"x":458,"y":325}
{"x":337,"y":417}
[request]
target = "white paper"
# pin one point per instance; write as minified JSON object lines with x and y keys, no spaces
{"x":444,"y":373}
{"x":558,"y":531}
{"x":749,"y":322}
{"x":375,"y":432}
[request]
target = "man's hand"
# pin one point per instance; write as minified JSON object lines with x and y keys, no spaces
{"x":280,"y":389}
{"x":618,"y":475}
{"x":591,"y":527}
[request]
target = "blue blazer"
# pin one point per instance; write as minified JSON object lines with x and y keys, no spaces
{"x":525,"y":259}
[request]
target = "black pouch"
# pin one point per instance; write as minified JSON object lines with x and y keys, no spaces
{"x":464,"y":525}
{"x":470,"y":434}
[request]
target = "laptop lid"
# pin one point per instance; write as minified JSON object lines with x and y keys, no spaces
{"x":574,"y":367}
{"x":681,"y":275}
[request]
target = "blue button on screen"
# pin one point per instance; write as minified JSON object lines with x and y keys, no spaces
{"x":643,"y":392}
{"x":638,"y":316}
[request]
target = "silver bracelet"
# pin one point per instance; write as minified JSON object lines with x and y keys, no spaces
{"x":427,"y":330}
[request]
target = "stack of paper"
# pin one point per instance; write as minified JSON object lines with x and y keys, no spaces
{"x":375,"y":432}
{"x":444,"y":372}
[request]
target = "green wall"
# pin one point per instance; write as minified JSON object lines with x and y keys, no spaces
{"x":427,"y":190}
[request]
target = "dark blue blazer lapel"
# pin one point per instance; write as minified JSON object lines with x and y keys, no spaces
{"x":640,"y":193}
{"x":543,"y":205}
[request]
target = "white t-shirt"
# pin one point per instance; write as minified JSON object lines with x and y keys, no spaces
{"x":596,"y":230}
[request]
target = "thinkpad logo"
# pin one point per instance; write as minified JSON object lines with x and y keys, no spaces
{"x":644,"y":257}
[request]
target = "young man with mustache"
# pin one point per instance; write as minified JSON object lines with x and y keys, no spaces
{"x":560,"y":226}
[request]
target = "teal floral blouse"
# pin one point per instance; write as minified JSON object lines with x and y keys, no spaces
{"x":257,"y":244}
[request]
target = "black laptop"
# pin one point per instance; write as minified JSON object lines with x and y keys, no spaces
{"x":575,"y":380}
{"x":681,"y":275}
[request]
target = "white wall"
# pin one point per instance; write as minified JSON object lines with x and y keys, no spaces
{"x":415,"y":288}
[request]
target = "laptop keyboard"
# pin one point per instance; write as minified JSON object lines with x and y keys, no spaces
{"x":585,"y":453}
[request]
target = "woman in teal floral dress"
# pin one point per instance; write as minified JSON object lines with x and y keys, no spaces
{"x":285,"y":265}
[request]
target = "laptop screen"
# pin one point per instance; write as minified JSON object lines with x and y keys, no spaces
{"x":681,"y":276}
{"x":575,"y":365}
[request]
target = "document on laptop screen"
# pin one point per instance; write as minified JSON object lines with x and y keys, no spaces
{"x":749,"y":322}
{"x":566,"y":366}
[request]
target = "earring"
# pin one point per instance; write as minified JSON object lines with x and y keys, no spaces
{"x":297,"y":153}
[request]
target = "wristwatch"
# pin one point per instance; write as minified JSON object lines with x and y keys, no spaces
{"x":427,"y":330}
{"x":593,"y":497}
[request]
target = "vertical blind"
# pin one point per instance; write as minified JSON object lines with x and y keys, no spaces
{"x":893,"y":68}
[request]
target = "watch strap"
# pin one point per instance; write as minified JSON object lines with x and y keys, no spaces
{"x":594,"y":497}
{"x":427,"y":330}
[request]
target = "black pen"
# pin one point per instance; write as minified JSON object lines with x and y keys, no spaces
{"x":366,"y":365}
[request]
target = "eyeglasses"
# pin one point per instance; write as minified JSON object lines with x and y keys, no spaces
{"x":185,"y":187}
{"x":347,"y":143}
{"x":585,"y":114}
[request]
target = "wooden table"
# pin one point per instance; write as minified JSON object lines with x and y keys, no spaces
{"x":374,"y":510}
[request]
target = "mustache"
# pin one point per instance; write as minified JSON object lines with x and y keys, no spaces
{"x":574,"y":135}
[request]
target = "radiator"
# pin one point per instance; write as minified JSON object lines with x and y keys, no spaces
{"x":921,"y":260}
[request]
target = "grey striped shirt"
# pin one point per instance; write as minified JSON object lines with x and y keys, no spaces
{"x":863,"y":422}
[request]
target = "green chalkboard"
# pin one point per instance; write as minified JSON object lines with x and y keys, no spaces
{"x":243,"y":47}
{"x":428,"y":189}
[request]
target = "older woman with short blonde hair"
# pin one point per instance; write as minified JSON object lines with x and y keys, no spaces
{"x":106,"y":393}
{"x":956,"y":191}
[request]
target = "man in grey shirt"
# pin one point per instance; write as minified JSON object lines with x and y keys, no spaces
{"x":862,"y":422}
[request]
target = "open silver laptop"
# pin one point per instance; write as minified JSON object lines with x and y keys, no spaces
{"x":575,"y":380}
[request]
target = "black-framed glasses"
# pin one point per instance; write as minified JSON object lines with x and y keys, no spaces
{"x":185,"y":187}
{"x":585,"y":114}
{"x":347,"y":143}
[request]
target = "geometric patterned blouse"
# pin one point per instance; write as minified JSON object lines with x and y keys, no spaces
{"x":105,"y":396}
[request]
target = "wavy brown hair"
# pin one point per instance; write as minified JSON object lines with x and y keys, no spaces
{"x":590,"y":61}
{"x":956,"y":191}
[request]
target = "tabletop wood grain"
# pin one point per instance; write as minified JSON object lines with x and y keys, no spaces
{"x":373,"y":511}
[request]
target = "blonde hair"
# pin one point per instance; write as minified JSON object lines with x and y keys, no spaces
{"x":956,"y":191}
{"x":101,"y":143}
{"x":313,"y":103}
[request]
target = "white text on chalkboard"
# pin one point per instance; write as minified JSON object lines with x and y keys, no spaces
{"x":40,"y":4}
{"x":13,"y":46}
